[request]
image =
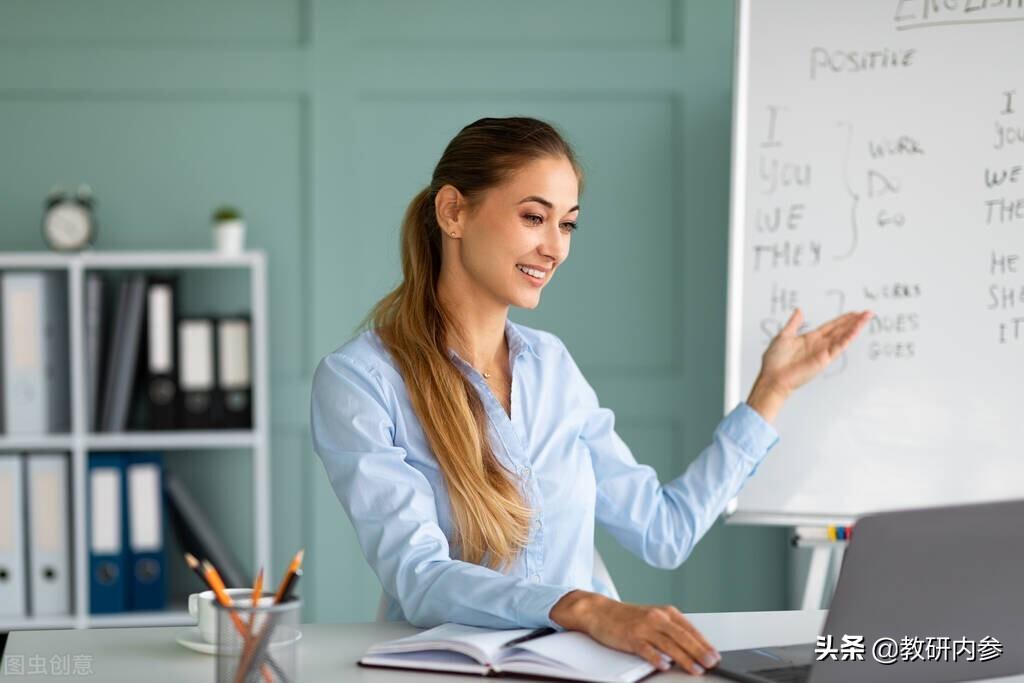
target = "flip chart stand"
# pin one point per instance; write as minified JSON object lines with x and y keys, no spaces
{"x":826,"y":560}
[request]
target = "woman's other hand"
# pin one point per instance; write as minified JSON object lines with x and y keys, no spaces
{"x":791,"y":360}
{"x":642,"y":630}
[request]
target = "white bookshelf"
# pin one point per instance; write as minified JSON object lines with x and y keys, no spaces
{"x":80,"y":440}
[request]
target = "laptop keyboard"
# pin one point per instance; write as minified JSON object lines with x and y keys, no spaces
{"x":786,"y":674}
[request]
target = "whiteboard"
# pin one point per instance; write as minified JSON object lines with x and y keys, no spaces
{"x":877,"y":164}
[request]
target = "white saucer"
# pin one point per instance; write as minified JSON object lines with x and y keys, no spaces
{"x":191,"y":639}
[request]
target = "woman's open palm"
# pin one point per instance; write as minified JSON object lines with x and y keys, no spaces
{"x":793,"y":359}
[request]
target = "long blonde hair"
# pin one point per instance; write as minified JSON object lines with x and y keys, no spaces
{"x":491,"y":518}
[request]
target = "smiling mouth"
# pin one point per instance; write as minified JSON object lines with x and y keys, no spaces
{"x":531,"y":273}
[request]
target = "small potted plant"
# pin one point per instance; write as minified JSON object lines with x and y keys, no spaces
{"x":228,"y":230}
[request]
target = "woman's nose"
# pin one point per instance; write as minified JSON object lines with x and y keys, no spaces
{"x":555,"y":245}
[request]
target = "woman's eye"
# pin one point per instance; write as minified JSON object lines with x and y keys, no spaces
{"x":569,"y":225}
{"x":533,"y":219}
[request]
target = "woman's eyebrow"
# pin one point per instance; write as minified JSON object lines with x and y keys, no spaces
{"x":541,"y":200}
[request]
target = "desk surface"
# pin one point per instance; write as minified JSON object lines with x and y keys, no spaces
{"x":328,"y":652}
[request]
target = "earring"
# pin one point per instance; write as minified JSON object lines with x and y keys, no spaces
{"x":452,"y":233}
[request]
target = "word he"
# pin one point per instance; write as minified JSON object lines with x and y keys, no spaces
{"x":909,"y":649}
{"x":1004,"y":210}
{"x":1002,"y":264}
{"x":57,"y":665}
{"x":787,"y":254}
{"x":896,"y":290}
{"x":783,"y":301}
{"x":852,"y":61}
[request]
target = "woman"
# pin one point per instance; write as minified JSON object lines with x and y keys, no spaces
{"x":471,"y":454}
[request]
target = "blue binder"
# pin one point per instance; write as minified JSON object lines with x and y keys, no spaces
{"x":146,"y":582}
{"x":106,"y":533}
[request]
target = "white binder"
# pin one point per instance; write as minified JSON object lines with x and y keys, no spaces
{"x":196,"y":367}
{"x":233,"y":354}
{"x":195,"y":351}
{"x":49,"y":534}
{"x":35,"y":353}
{"x":12,"y":537}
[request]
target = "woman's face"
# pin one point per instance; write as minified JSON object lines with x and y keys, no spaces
{"x":516,"y":234}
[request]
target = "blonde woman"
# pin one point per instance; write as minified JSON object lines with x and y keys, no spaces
{"x":470,"y":453}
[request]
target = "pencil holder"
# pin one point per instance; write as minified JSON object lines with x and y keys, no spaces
{"x":258,"y":644}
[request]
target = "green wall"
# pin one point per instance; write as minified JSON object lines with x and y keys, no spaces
{"x":321,"y":120}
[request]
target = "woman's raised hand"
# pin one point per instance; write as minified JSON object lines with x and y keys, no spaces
{"x":792,"y":359}
{"x":640,"y":629}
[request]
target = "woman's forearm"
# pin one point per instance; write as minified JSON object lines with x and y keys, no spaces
{"x":573,"y":611}
{"x":767,"y":397}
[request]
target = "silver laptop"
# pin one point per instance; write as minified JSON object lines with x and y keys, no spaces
{"x":949,"y":580}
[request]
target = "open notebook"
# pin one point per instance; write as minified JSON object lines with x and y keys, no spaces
{"x":472,"y":650}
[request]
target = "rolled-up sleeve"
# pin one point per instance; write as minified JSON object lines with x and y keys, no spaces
{"x":392,"y":506}
{"x":662,"y":523}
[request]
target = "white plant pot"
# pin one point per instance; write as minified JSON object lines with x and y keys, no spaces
{"x":229,"y":237}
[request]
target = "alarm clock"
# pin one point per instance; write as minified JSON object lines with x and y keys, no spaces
{"x":68,"y":221}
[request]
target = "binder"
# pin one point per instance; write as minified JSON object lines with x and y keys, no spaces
{"x":106,"y":536}
{"x":113,"y":350}
{"x":36,"y":395}
{"x":49,"y":534}
{"x":197,"y":534}
{"x":146,"y":580}
{"x":13,"y":582}
{"x":196,"y":381}
{"x":161,"y":383}
{"x":234,"y":377}
{"x":94,"y":337}
{"x":123,"y":356}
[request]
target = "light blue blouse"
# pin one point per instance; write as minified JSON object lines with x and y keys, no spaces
{"x":559,"y":444}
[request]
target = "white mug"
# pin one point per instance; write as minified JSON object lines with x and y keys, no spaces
{"x":200,"y":607}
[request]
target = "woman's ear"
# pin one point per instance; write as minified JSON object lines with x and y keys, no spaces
{"x":449,"y":205}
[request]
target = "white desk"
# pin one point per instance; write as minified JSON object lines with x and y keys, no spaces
{"x":328,"y":652}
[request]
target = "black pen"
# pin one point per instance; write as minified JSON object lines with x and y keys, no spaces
{"x":535,"y":633}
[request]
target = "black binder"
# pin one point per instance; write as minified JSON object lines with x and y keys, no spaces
{"x":122,"y":353}
{"x":196,"y":532}
{"x":196,"y":372}
{"x":234,"y":374}
{"x":161,"y":377}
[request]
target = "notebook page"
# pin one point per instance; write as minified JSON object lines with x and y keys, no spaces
{"x":431,"y":660}
{"x":576,"y":655}
{"x":481,"y":644}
